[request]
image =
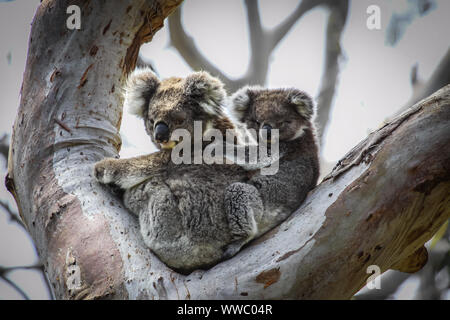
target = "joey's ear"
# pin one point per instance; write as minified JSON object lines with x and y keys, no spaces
{"x":302,"y":102}
{"x":240,"y":101}
{"x":141,"y":86}
{"x":206,"y":89}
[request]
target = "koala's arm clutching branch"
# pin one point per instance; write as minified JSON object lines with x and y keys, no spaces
{"x":252,"y":157}
{"x":249,"y":157}
{"x":126,"y":173}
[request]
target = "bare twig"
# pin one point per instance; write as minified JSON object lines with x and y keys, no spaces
{"x":15,"y":286}
{"x":13,"y":216}
{"x":5,"y":270}
{"x":336,"y":24}
{"x":262,"y":44}
{"x":4,"y":146}
{"x":254,"y":22}
{"x":4,"y":149}
{"x":189,"y":51}
{"x":280,"y":31}
{"x":439,"y":79}
{"x":259,"y":49}
{"x":400,"y":20}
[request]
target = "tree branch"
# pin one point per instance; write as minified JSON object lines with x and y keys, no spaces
{"x":260,"y":52}
{"x":439,"y":78}
{"x":4,"y":146}
{"x":84,"y":94}
{"x":12,"y":215}
{"x":379,"y":206}
{"x":262,"y":43}
{"x":5,"y":270}
{"x":14,"y":286}
{"x":257,"y":70}
{"x":254,"y":22}
{"x":335,"y":26}
{"x":186,"y":47}
{"x":280,"y":31}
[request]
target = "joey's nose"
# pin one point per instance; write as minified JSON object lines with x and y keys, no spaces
{"x":268,"y":129}
{"x":161,"y":132}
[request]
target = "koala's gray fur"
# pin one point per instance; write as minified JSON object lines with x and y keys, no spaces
{"x":291,"y":112}
{"x":194,"y":215}
{"x":182,"y":208}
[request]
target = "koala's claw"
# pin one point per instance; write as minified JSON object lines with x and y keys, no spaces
{"x":232,"y":249}
{"x":102,"y":173}
{"x":116,"y":190}
{"x":99,"y":172}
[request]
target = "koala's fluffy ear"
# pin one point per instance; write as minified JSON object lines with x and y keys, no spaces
{"x":141,"y":86}
{"x":207,"y":89}
{"x":240,"y":101}
{"x":302,"y":103}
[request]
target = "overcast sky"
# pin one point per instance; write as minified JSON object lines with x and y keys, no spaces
{"x":373,"y":84}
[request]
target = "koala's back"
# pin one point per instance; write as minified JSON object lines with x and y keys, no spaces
{"x":183,"y":219}
{"x":283,"y":192}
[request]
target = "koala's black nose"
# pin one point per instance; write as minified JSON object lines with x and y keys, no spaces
{"x":161,"y":132}
{"x":268,"y":129}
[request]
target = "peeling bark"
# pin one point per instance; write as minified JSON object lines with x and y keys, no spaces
{"x":379,"y":206}
{"x":69,"y":117}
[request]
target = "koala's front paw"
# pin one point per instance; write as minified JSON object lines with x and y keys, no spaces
{"x":104,"y":171}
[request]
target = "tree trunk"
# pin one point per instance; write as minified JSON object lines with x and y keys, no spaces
{"x":379,"y":206}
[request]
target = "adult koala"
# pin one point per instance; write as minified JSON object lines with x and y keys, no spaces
{"x":184,"y":218}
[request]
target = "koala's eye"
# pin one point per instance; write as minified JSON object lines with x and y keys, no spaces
{"x":179,"y":118}
{"x":178,"y":121}
{"x":152,"y":122}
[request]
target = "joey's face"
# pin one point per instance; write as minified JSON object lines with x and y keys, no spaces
{"x":274,"y":109}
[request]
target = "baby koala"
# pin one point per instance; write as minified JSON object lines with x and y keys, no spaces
{"x":291,"y":111}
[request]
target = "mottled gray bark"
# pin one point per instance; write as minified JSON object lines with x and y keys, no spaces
{"x":384,"y":200}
